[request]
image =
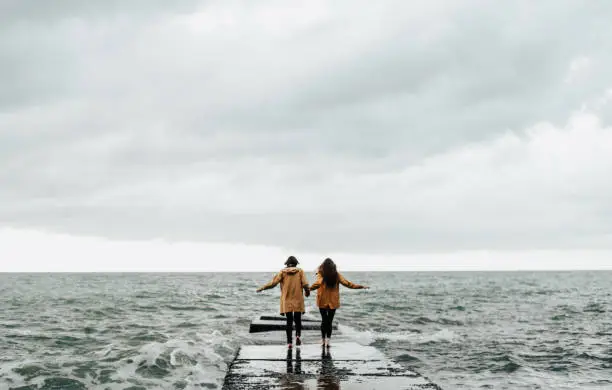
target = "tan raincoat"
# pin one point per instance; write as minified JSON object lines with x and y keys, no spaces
{"x":292,"y":283}
{"x":329,"y":297}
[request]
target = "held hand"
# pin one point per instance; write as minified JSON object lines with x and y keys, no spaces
{"x":306,"y":293}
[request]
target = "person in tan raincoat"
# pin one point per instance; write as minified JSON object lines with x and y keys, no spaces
{"x":328,"y":295}
{"x":293,"y":286}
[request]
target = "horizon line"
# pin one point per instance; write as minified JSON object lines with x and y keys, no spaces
{"x":605,"y":269}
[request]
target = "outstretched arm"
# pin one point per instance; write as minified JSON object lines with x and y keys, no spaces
{"x":349,"y":284}
{"x":277,"y":279}
{"x":317,"y":284}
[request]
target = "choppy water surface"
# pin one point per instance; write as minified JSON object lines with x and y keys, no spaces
{"x":462,"y":330}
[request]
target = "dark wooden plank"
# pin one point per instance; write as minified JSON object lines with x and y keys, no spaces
{"x":268,"y":326}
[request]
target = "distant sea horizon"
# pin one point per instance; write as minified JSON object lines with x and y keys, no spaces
{"x":608,"y":269}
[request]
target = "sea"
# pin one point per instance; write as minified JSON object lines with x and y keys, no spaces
{"x":462,"y":330}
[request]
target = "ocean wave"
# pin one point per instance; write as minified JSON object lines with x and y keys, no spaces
{"x":442,"y":321}
{"x":594,"y":308}
{"x":194,"y":363}
{"x":593,"y":356}
{"x":189,"y":308}
{"x":405,"y":357}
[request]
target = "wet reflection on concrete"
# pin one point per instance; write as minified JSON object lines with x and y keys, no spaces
{"x":293,"y":380}
{"x":327,"y":378}
{"x":353,"y":367}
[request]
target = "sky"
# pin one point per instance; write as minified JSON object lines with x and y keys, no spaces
{"x":228,"y":135}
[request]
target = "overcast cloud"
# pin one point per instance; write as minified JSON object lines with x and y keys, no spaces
{"x":358,"y":127}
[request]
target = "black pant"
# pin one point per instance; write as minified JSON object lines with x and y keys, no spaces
{"x":297,"y":317}
{"x":327,"y":319}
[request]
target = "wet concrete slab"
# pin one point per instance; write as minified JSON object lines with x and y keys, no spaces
{"x":298,"y":382}
{"x":347,"y":366}
{"x":313,"y":367}
{"x":279,"y":338}
{"x":346,"y":351}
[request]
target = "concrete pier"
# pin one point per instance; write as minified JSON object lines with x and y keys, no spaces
{"x":346,"y":366}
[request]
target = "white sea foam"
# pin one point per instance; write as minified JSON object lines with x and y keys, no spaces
{"x":594,"y":341}
{"x":364,"y":337}
{"x":191,"y":362}
{"x":150,"y":352}
{"x":367,"y":337}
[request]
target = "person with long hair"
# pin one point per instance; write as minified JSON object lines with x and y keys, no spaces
{"x":294,"y":286}
{"x":328,"y":295}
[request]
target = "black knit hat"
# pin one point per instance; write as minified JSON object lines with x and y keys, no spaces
{"x":291,"y":261}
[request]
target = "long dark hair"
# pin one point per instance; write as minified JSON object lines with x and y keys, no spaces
{"x":329,"y":272}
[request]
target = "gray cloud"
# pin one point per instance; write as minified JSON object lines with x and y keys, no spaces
{"x":31,"y":11}
{"x":318,"y":126}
